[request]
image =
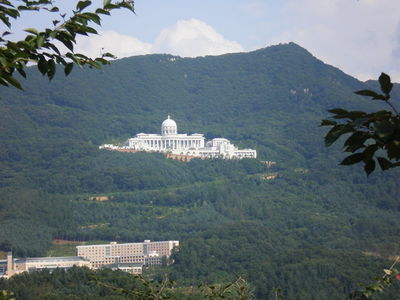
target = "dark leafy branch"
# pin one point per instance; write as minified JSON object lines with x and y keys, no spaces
{"x":40,"y":47}
{"x":379,"y":284}
{"x":371,"y":136}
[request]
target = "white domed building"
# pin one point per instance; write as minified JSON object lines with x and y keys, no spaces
{"x":169,"y":127}
{"x":170,"y":141}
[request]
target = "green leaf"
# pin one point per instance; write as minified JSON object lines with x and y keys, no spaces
{"x":3,"y":81}
{"x":393,"y":149}
{"x":356,"y":140}
{"x":32,"y":30}
{"x":54,"y":48}
{"x":65,"y":40}
{"x":93,"y":17}
{"x":40,"y":40}
{"x":369,"y":166}
{"x":328,"y":123}
{"x":68,"y":68}
{"x":42,"y":65}
{"x":127,"y":5}
{"x":108,"y":54}
{"x":386,"y":84}
{"x":94,"y":64}
{"x":336,"y":132}
{"x":89,"y":29}
{"x":22,"y":72}
{"x":11,"y":80}
{"x":11,"y":12}
{"x":364,"y":122}
{"x":74,"y":58}
{"x":369,"y":93}
{"x":384,"y":129}
{"x":338,"y":111}
{"x":384,"y":163}
{"x":102,"y":61}
{"x":5,"y":20}
{"x":81,"y":5}
{"x":369,"y":152}
{"x":355,"y":114}
{"x":51,"y":69}
{"x":102,"y":11}
{"x":352,"y":159}
{"x":106,"y":2}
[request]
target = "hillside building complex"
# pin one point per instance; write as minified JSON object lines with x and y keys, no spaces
{"x":146,"y":253}
{"x":170,"y":141}
{"x":12,"y":266}
{"x":129,"y":257}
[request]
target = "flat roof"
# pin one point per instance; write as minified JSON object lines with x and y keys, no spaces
{"x":51,"y":259}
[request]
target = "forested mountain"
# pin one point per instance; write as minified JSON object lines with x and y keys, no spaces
{"x":317,"y":231}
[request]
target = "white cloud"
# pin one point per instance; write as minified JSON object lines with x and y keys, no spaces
{"x":191,"y":38}
{"x":110,"y":41}
{"x":360,"y":37}
{"x":187,"y":38}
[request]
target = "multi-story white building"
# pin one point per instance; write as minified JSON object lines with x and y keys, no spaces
{"x":12,"y":266}
{"x":170,"y":141}
{"x":146,"y":253}
{"x":130,"y":257}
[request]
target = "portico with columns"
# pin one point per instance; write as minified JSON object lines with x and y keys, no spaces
{"x":183,"y":144}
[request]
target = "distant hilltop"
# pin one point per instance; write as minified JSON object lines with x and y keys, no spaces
{"x":182,"y":144}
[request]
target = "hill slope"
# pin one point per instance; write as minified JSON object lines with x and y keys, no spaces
{"x":292,"y":232}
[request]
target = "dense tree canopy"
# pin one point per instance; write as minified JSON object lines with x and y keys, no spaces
{"x":316,"y":231}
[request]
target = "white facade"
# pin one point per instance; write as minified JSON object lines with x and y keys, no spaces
{"x":130,"y":257}
{"x":12,"y":266}
{"x":170,"y":141}
{"x":146,"y":253}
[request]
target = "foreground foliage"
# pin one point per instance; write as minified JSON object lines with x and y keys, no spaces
{"x":379,"y":285}
{"x":40,"y":47}
{"x":373,"y":136}
{"x":82,"y":283}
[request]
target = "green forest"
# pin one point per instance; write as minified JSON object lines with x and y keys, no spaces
{"x":316,"y":231}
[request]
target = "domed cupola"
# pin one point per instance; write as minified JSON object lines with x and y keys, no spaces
{"x":169,"y":127}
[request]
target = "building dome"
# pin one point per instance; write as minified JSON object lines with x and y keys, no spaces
{"x":169,"y":127}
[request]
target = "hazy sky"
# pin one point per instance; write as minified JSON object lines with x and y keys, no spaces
{"x":361,"y":37}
